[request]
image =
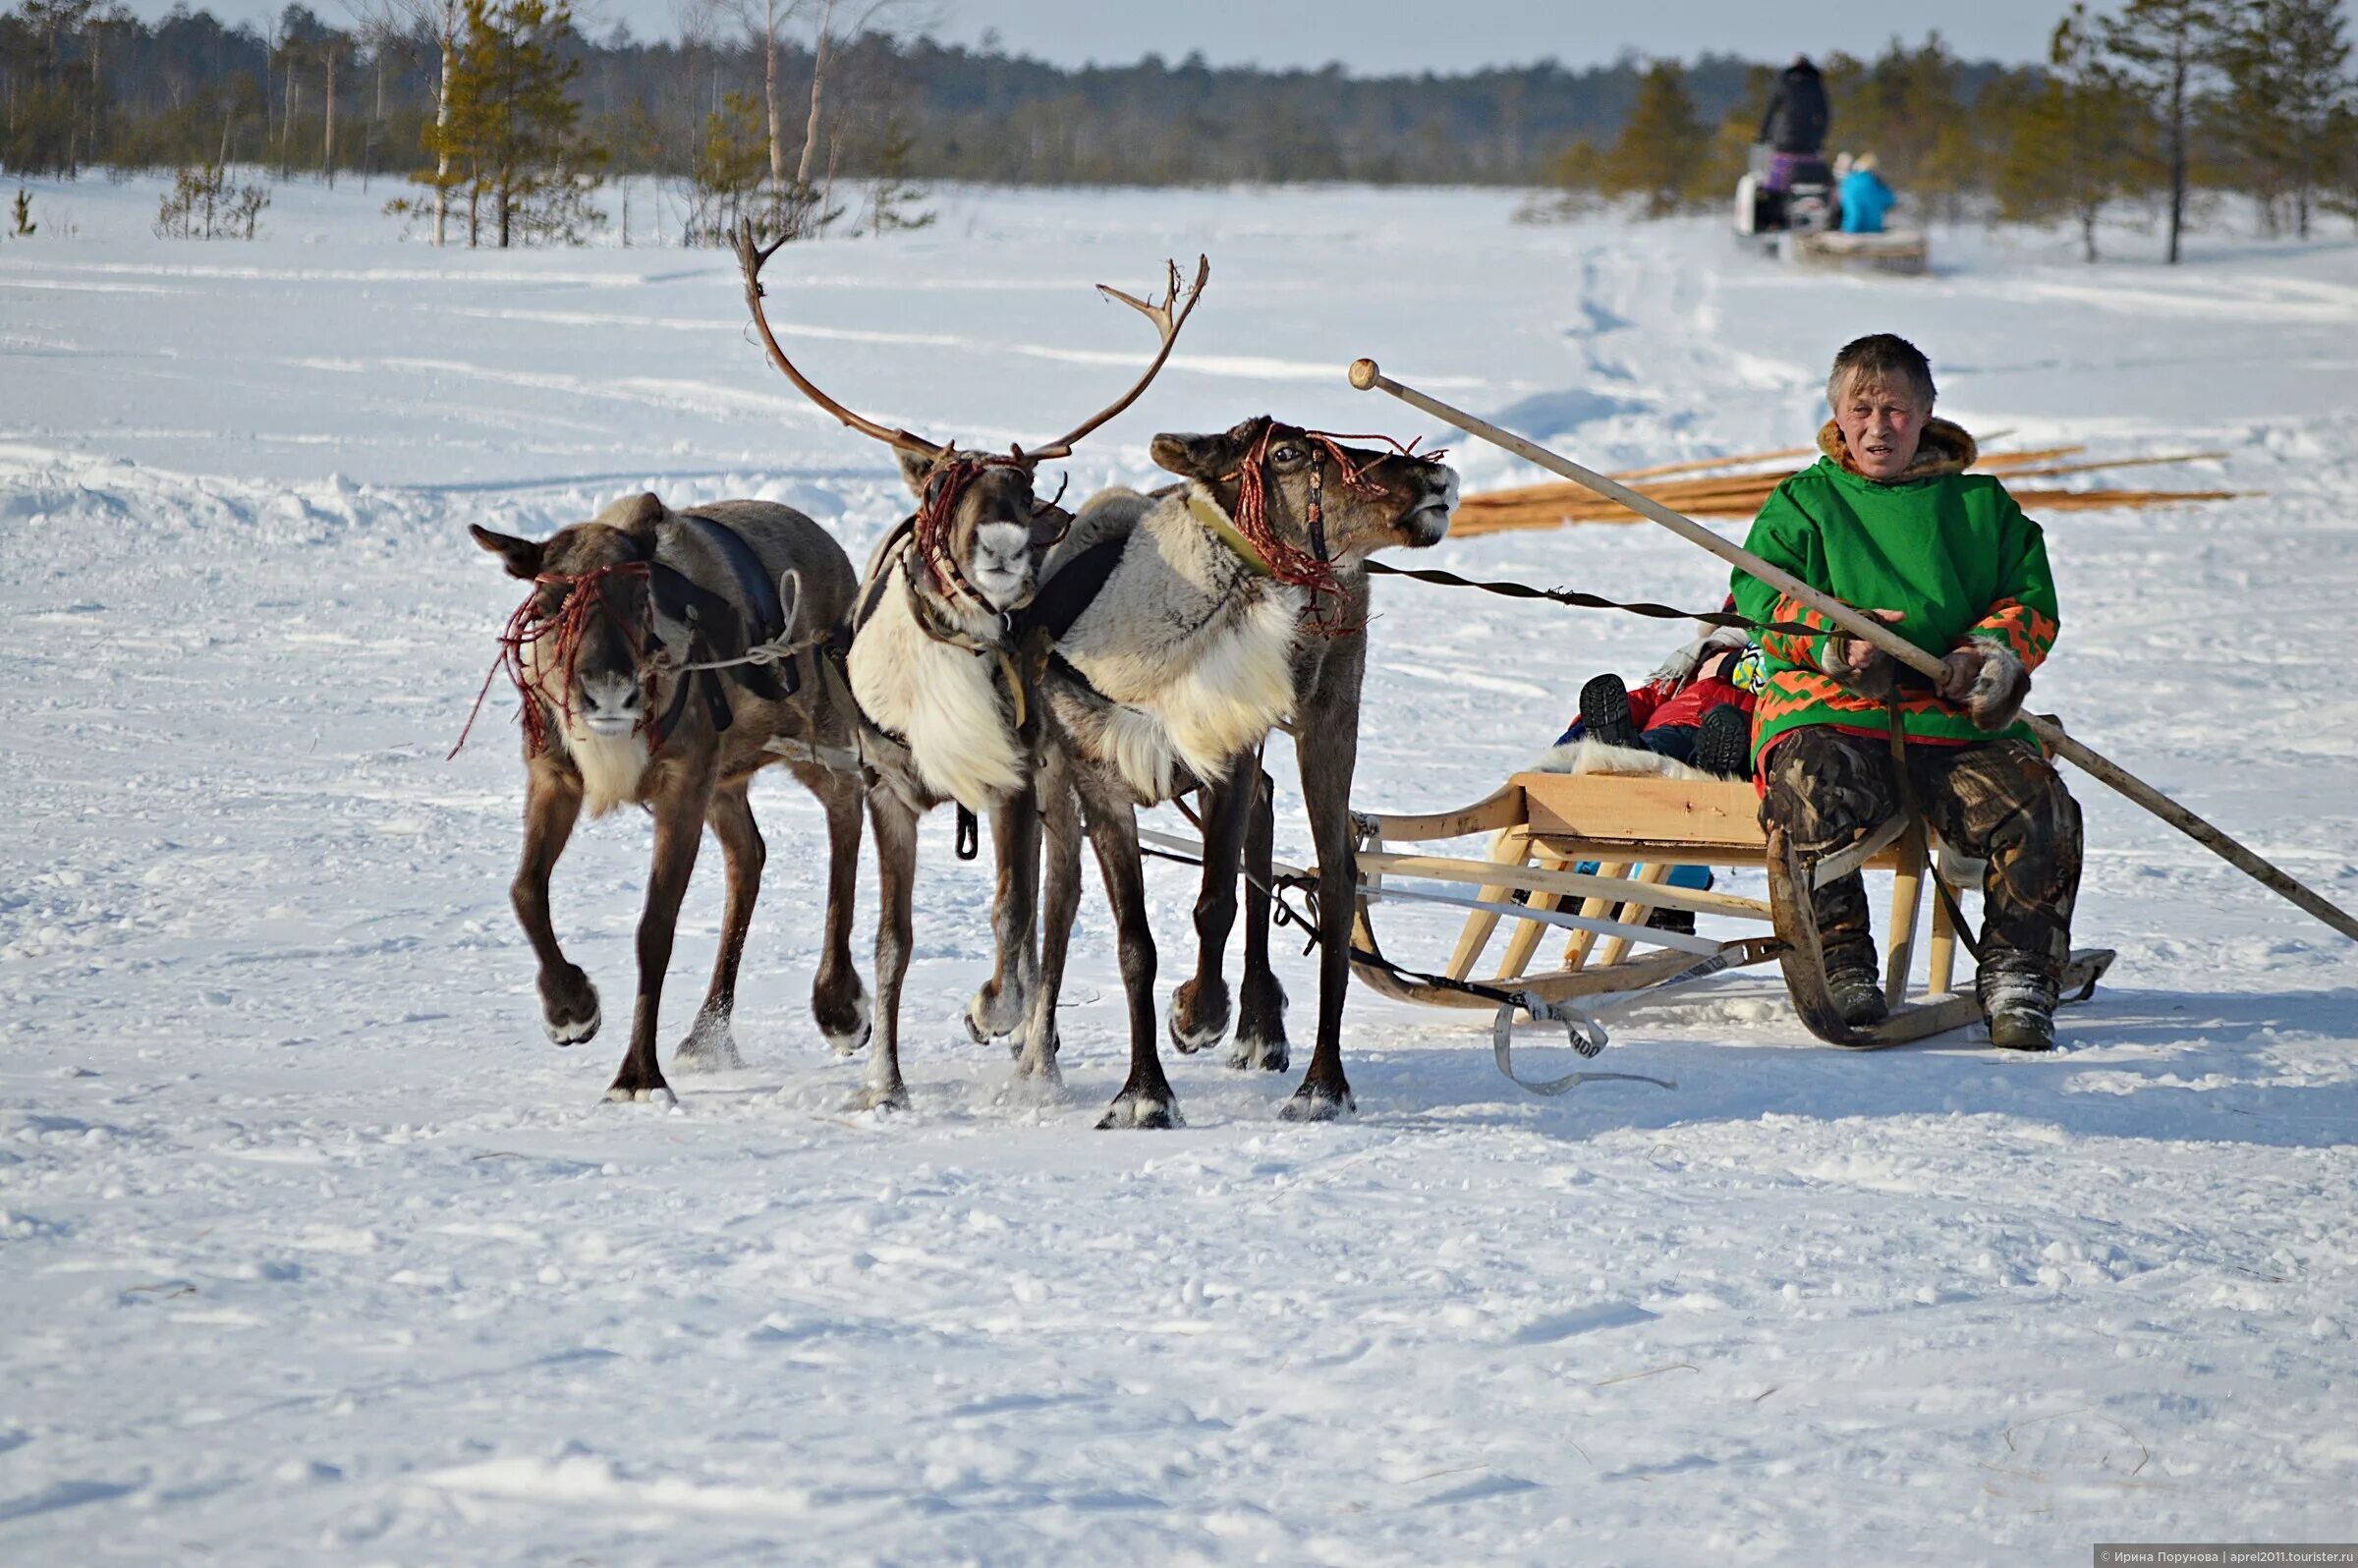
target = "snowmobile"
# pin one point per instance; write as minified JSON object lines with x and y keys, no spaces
{"x":1802,"y":223}
{"x":1806,"y":205}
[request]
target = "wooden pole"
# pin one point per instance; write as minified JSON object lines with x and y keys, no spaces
{"x":1365,"y":376}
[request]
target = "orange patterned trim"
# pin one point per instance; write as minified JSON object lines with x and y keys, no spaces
{"x":1794,"y":691}
{"x":2028,"y":633}
{"x":1792,"y":647}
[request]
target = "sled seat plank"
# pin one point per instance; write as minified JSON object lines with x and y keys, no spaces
{"x":1705,"y":820}
{"x":1677,"y":821}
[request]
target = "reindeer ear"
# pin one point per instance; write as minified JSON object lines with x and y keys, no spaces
{"x":915,"y":468}
{"x":1198,"y":457}
{"x":522,"y":557}
{"x":636,"y":516}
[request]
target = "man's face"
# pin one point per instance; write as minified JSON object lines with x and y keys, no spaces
{"x":1882,"y":424}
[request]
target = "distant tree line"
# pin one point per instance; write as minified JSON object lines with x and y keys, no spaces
{"x":2149,"y":103}
{"x":502,"y":115}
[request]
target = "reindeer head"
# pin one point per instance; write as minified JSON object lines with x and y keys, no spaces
{"x":980,"y":531}
{"x":1314,"y":496}
{"x":598,"y":642}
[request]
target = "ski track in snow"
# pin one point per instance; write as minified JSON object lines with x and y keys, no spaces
{"x":313,"y":1249}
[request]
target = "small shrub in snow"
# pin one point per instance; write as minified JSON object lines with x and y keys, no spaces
{"x":202,"y":207}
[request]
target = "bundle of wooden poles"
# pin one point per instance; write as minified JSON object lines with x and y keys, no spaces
{"x":1735,"y":486}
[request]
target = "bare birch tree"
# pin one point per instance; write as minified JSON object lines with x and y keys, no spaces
{"x":438,"y":20}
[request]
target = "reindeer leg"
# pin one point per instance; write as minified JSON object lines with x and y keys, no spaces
{"x":1328,"y":746}
{"x":568,"y":1001}
{"x":1261,"y":1015}
{"x":1145,"y":1099}
{"x":1060,"y":830}
{"x":999,"y":1008}
{"x":838,"y":1001}
{"x":679,"y":832}
{"x":895,"y":824}
{"x":1200,"y":1006}
{"x":712,"y":1045}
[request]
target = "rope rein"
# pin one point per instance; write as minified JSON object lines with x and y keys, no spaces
{"x":1590,"y":601}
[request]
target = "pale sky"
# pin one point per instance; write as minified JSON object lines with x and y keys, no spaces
{"x":1375,"y":38}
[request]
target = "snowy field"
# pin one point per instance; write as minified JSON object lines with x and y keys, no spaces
{"x":313,"y":1250}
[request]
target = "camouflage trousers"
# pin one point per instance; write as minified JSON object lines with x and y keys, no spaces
{"x":1998,"y":802}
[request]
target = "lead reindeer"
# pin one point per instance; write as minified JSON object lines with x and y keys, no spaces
{"x":931,"y":672}
{"x":1329,"y":668}
{"x":605,"y":655}
{"x":1206,"y":615}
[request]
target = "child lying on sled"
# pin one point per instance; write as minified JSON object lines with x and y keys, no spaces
{"x":1695,"y":711}
{"x":1692,"y":717}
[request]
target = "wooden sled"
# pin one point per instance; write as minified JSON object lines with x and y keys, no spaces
{"x":1637,"y":829}
{"x":1900,"y":250}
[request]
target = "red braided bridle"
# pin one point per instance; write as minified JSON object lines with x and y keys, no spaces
{"x":938,"y":508}
{"x":1311,"y":568}
{"x":563,"y":629}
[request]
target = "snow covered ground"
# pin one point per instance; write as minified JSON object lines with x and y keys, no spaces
{"x":313,"y":1250}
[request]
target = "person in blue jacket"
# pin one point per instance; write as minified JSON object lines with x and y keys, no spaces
{"x":1864,"y":197}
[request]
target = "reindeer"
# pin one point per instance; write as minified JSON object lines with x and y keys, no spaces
{"x":1214,"y":610}
{"x":930,"y":672}
{"x":1329,"y":668}
{"x":614,"y":656}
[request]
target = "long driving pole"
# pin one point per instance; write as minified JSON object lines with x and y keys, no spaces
{"x":1367,"y":377}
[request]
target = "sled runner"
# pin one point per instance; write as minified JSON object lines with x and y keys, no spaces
{"x":1636,"y":829}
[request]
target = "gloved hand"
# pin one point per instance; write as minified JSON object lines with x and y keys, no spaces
{"x":1859,"y":664}
{"x":1987,"y":680}
{"x":1958,"y":672}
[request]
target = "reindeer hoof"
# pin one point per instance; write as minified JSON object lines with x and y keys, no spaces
{"x":1039,"y":1066}
{"x":569,"y":1008}
{"x":1317,"y":1102}
{"x":1130,"y":1108}
{"x":1035,"y":1088}
{"x":872,"y":1099}
{"x":996,"y":1011}
{"x":849,"y":1043}
{"x":1195,"y":1024}
{"x":710,"y":1045}
{"x":653,"y":1094}
{"x":1256,"y":1052}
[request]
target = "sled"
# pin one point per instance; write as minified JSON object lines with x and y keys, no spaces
{"x":1637,"y":829}
{"x":1897,"y":250}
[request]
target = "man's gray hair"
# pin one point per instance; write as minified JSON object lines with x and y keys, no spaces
{"x":1885,"y":358}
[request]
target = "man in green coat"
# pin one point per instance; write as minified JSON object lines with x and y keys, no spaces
{"x":1889,"y":522}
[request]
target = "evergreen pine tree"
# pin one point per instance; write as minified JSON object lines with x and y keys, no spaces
{"x":731,"y":161}
{"x":1660,"y":153}
{"x":2067,"y":152}
{"x":2286,"y":101}
{"x":2163,"y":50}
{"x":512,"y":128}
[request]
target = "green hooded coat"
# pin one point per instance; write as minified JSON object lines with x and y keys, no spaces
{"x":1947,"y":548}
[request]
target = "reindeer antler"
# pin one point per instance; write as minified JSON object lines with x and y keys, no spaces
{"x":750,"y":258}
{"x":1166,"y":324}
